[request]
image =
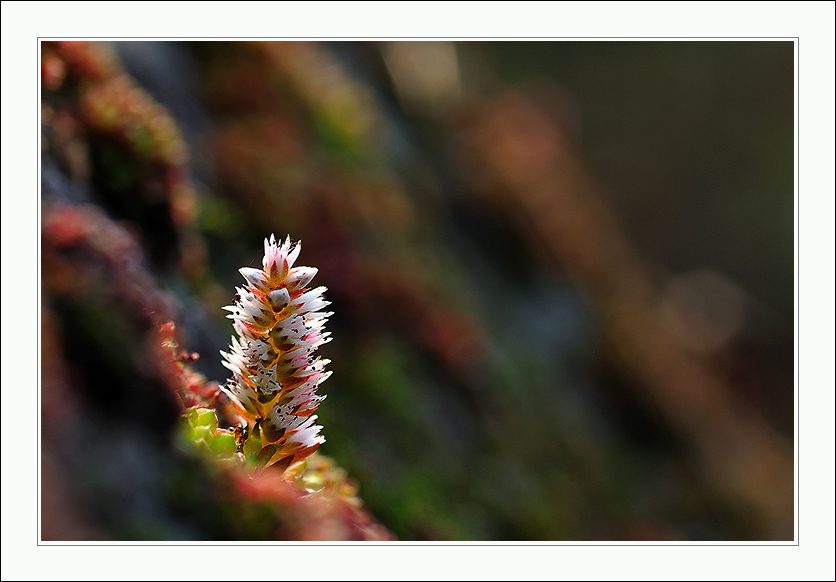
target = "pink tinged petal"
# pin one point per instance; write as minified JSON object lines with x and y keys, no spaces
{"x":311,"y":304}
{"x":286,"y":246}
{"x":258,"y":318}
{"x":294,"y":354}
{"x":311,"y":383}
{"x":307,"y":295}
{"x":297,"y":423}
{"x":225,"y":362}
{"x":271,"y":257}
{"x":299,"y":277}
{"x":270,"y":247}
{"x":255,"y":277}
{"x":246,"y":330}
{"x":301,"y":392}
{"x":308,"y":403}
{"x":325,"y":376}
{"x":242,"y":396}
{"x":310,"y":301}
{"x":232,"y":366}
{"x":316,"y":339}
{"x":307,"y":434}
{"x":294,"y":253}
{"x":318,"y":318}
{"x":255,"y":313}
{"x":233,"y":309}
{"x":239,"y":328}
{"x":248,"y":299}
{"x":304,"y":372}
{"x":309,"y":407}
{"x":257,"y":328}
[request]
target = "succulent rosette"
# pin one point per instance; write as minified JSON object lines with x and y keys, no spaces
{"x":280,"y":324}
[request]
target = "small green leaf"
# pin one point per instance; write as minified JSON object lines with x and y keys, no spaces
{"x":206,"y":417}
{"x":201,"y":433}
{"x":223,"y":443}
{"x":191,"y":416}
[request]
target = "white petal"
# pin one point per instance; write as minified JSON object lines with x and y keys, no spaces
{"x":300,"y":277}
{"x":294,"y":253}
{"x":255,"y":277}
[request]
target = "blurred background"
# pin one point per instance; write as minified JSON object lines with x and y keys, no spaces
{"x":561,"y":276}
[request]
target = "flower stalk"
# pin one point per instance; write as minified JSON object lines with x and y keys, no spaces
{"x":280,"y":324}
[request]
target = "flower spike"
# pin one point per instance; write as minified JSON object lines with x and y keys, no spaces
{"x":279,"y":323}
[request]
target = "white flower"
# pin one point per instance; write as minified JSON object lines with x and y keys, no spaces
{"x":279,"y":324}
